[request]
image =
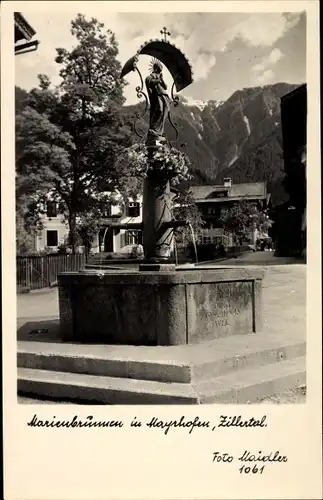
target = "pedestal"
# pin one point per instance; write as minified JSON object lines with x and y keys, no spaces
{"x":156,"y":307}
{"x":157,"y":208}
{"x":157,"y":200}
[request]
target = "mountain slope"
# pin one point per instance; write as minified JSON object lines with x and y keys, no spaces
{"x":239,"y":138}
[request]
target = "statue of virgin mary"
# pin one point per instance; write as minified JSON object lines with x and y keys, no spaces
{"x":158,"y":98}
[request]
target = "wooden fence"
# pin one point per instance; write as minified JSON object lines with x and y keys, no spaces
{"x":35,"y":272}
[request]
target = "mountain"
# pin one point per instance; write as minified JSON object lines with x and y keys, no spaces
{"x":253,"y":150}
{"x":239,"y":138}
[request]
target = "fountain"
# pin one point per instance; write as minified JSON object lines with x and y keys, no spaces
{"x":160,"y":303}
{"x":179,"y":334}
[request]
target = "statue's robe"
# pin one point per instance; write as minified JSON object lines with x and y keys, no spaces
{"x":159,"y":103}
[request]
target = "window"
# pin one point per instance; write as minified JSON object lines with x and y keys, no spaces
{"x":52,"y":238}
{"x":133,"y":237}
{"x":133,"y":209}
{"x":206,"y":240}
{"x":219,"y":194}
{"x":129,"y":238}
{"x":107,"y":210}
{"x":212,"y":210}
{"x":51,"y":209}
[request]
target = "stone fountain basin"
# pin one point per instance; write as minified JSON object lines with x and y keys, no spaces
{"x":185,"y":306}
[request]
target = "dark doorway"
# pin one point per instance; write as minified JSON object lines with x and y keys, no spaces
{"x":108,"y":240}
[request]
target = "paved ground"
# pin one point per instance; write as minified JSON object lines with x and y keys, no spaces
{"x":38,"y":304}
{"x":260,"y":259}
{"x":296,"y":396}
{"x":284,"y":300}
{"x":43,"y":304}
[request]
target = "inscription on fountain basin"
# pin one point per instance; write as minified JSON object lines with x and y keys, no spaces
{"x":222,"y":314}
{"x":219,"y":309}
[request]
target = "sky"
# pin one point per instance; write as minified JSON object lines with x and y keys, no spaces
{"x":228,"y":51}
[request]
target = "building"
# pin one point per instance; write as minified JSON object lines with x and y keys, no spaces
{"x":290,"y":217}
{"x":23,"y":35}
{"x":113,"y":237}
{"x":211,"y":199}
{"x":55,"y":230}
{"x":122,"y":223}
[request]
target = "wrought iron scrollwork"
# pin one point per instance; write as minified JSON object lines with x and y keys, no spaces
{"x":175,"y":102}
{"x":175,"y":98}
{"x":140,"y":94}
{"x":174,"y":127}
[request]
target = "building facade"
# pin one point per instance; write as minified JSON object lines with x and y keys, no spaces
{"x":55,"y":231}
{"x":212,"y":199}
{"x":115,"y":236}
{"x":290,"y":217}
{"x":111,"y":237}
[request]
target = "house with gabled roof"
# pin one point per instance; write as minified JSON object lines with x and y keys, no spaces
{"x":212,"y":198}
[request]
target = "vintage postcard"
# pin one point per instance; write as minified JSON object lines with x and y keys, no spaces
{"x":161,"y":250}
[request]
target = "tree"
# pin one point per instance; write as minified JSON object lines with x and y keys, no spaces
{"x":242,"y":217}
{"x":172,"y":165}
{"x":132,"y":166}
{"x":25,"y":239}
{"x":88,"y":227}
{"x":20,"y":97}
{"x":70,"y":136}
{"x":185,"y":209}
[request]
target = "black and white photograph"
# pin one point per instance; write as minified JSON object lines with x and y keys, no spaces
{"x":161,"y":250}
{"x":160,"y":206}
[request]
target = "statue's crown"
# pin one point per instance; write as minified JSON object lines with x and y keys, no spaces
{"x":155,"y":64}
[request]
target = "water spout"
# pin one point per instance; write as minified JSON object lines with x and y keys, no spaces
{"x":193,"y":241}
{"x":175,"y":249}
{"x":103,"y":239}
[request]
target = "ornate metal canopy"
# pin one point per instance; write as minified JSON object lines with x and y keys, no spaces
{"x":170,"y":56}
{"x":175,"y":61}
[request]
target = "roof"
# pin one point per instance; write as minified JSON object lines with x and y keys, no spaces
{"x":23,"y":30}
{"x":246,"y":191}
